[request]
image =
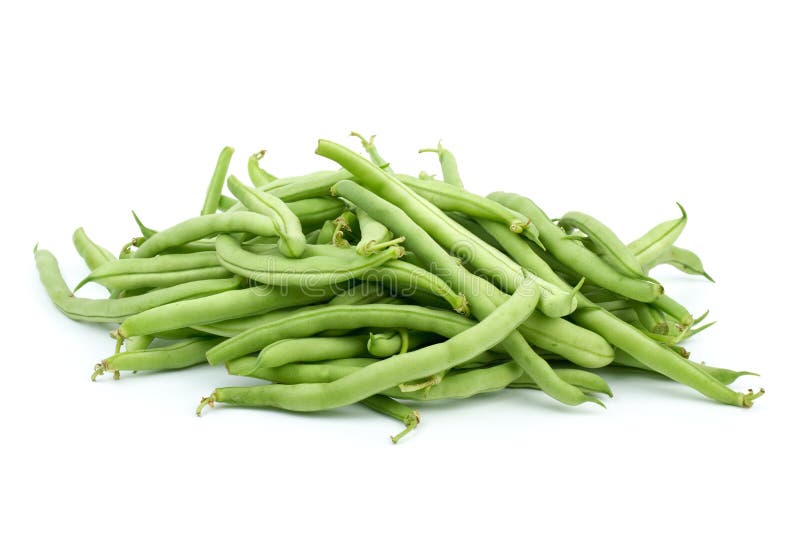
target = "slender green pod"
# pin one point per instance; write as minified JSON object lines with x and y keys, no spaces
{"x":576,"y":256}
{"x":651,"y":318}
{"x":312,"y":349}
{"x":232,"y":304}
{"x":211,"y":202}
{"x":394,"y":409}
{"x":287,"y":224}
{"x":204,"y":226}
{"x":92,"y":254}
{"x":116,"y":310}
{"x":315,"y":211}
{"x":374,"y":234}
{"x":175,"y":356}
{"x":372,"y":151}
{"x":316,"y":267}
{"x":161,"y":271}
{"x":258,"y":176}
{"x":723,"y":375}
{"x":611,"y":248}
{"x":649,"y":246}
{"x":684,"y":260}
{"x":390,"y":342}
{"x":450,"y":172}
{"x":226,"y":203}
{"x":582,"y":379}
{"x":387,"y":373}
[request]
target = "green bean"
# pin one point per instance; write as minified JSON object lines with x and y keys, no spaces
{"x":316,"y":267}
{"x":651,"y":318}
{"x":453,"y":198}
{"x":372,"y":151}
{"x":138,"y":343}
{"x":161,"y":271}
{"x":92,"y":254}
{"x":146,"y":231}
{"x":226,"y":203}
{"x":219,"y":307}
{"x":611,"y":247}
{"x":217,"y":181}
{"x":176,"y":356}
{"x":258,"y":176}
{"x":236,"y":326}
{"x":474,"y":227}
{"x":674,"y":309}
{"x":294,"y":373}
{"x":90,"y":310}
{"x":309,"y":321}
{"x":396,"y":410}
{"x":578,"y":257}
{"x":312,"y":349}
{"x":389,"y":343}
{"x":628,"y":338}
{"x":683,"y":259}
{"x":448,"y":162}
{"x":582,"y":379}
{"x":406,"y":278}
{"x":360,"y":294}
{"x":204,"y":226}
{"x":314,"y":185}
{"x":480,"y":292}
{"x":649,"y":246}
{"x":287,"y":224}
{"x":392,"y":371}
{"x":723,"y":375}
{"x":374,"y":234}
{"x":314,"y":211}
{"x":576,"y":344}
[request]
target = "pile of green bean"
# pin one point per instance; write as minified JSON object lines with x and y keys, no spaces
{"x":368,"y":286}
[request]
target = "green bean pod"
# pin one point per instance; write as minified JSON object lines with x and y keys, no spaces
{"x":116,"y":310}
{"x":649,"y":246}
{"x":450,"y":172}
{"x":684,"y":260}
{"x":287,"y":224}
{"x":211,"y":202}
{"x":374,"y":234}
{"x":258,"y":176}
{"x":204,"y":226}
{"x":387,"y":373}
{"x":232,"y":304}
{"x":372,"y":151}
{"x":312,"y":270}
{"x":388,"y":343}
{"x":312,"y":349}
{"x":176,"y":356}
{"x":611,"y":247}
{"x":92,"y":254}
{"x":394,"y":409}
{"x":723,"y":375}
{"x":161,"y":271}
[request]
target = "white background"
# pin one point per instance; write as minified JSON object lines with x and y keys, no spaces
{"x":614,"y":108}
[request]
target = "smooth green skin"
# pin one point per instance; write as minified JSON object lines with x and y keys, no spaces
{"x":311,"y":270}
{"x":325,"y":235}
{"x":258,"y":176}
{"x":431,"y":220}
{"x":313,"y":185}
{"x":450,"y":173}
{"x":211,"y":202}
{"x":389,"y":343}
{"x":574,"y":343}
{"x":226,"y":203}
{"x":723,"y":375}
{"x":161,"y":271}
{"x":312,"y":349}
{"x":622,"y":335}
{"x":612,"y":249}
{"x":474,"y":227}
{"x":480,"y":293}
{"x":649,"y":246}
{"x":394,"y":409}
{"x":455,"y":199}
{"x":236,"y":326}
{"x":360,"y":294}
{"x":315,"y":211}
{"x":582,"y":379}
{"x":372,"y":232}
{"x":294,"y":373}
{"x":116,"y":310}
{"x":204,"y":226}
{"x":147,"y":232}
{"x":138,"y":343}
{"x":651,"y":318}
{"x":93,"y":255}
{"x":292,"y":240}
{"x":578,"y":257}
{"x":309,"y":321}
{"x":387,"y":373}
{"x":405,"y":278}
{"x":674,"y":309}
{"x":372,"y":151}
{"x":175,"y":356}
{"x":217,"y":308}
{"x":684,"y":260}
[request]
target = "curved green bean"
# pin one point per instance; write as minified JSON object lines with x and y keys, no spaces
{"x":211,"y":202}
{"x":258,"y":176}
{"x":312,"y":349}
{"x":92,"y":254}
{"x":176,"y":356}
{"x":450,"y":172}
{"x":649,"y":246}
